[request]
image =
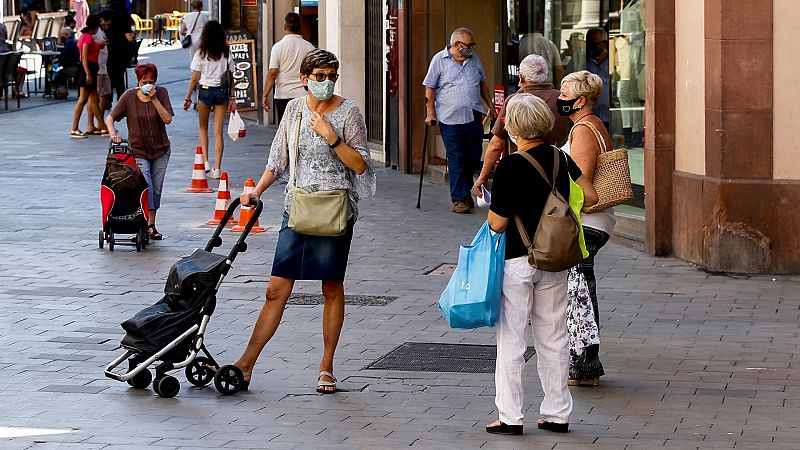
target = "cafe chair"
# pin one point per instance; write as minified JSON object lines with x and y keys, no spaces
{"x":173,"y":27}
{"x":8,"y":74}
{"x":142,"y":25}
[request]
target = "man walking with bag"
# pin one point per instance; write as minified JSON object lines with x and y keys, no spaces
{"x":454,"y":87}
{"x":284,"y":66}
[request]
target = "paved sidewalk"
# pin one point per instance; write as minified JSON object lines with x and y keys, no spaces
{"x":693,"y":359}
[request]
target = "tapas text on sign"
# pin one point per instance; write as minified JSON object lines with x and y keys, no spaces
{"x":245,"y":85}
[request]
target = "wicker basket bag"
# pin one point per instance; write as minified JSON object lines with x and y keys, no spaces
{"x":612,"y":175}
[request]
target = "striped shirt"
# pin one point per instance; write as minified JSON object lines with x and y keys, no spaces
{"x":457,"y":86}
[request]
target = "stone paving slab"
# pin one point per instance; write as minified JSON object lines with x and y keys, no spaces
{"x":693,"y":359}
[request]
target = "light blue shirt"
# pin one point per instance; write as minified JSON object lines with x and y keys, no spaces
{"x":603,"y":105}
{"x":457,"y":86}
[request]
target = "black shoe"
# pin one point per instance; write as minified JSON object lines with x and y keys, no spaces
{"x":554,"y":427}
{"x":510,"y":430}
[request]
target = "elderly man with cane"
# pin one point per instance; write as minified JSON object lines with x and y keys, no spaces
{"x":454,"y":87}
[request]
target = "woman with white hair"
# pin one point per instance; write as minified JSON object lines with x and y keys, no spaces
{"x":527,"y":291}
{"x":588,"y":137}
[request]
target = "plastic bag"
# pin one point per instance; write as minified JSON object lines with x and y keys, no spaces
{"x":581,"y":325}
{"x":236,"y":128}
{"x":472,"y":297}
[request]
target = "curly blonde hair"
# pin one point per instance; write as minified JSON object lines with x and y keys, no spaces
{"x":584,"y":83}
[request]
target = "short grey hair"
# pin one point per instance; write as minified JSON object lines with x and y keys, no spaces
{"x":528,"y":116}
{"x":458,"y":32}
{"x":535,"y":69}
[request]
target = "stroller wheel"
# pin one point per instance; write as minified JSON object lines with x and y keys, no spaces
{"x":166,"y":386}
{"x":111,"y":241}
{"x":137,"y":240}
{"x":101,"y":239}
{"x":141,"y":380}
{"x":198,"y":372}
{"x":229,"y":379}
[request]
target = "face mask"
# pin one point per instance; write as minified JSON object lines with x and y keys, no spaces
{"x":513,"y":138}
{"x":322,"y":90}
{"x":565,"y":107}
{"x":466,"y":52}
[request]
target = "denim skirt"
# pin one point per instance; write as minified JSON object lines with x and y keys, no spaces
{"x":303,"y":257}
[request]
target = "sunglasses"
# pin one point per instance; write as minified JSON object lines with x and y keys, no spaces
{"x":471,"y":45}
{"x":324,"y":76}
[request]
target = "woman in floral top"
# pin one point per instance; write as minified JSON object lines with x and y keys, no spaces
{"x":333,"y":155}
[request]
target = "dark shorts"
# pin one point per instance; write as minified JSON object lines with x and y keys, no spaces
{"x":212,"y":96}
{"x":302,"y":257}
{"x":93,"y":68}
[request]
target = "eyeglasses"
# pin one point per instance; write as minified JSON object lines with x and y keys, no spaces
{"x":324,"y":76}
{"x":470,"y":45}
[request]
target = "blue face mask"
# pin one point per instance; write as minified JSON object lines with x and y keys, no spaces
{"x":322,"y":90}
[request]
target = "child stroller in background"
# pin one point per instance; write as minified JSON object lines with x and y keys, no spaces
{"x":172,"y":331}
{"x":124,"y":199}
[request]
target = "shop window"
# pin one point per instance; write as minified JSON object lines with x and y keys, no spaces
{"x":565,"y":33}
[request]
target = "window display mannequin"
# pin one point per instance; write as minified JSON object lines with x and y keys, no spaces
{"x":630,"y":67}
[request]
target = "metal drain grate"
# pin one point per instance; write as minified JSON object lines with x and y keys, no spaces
{"x":435,"y":357}
{"x":359,"y":300}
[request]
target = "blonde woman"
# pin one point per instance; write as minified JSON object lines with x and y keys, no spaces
{"x":527,"y":291}
{"x":580,"y":92}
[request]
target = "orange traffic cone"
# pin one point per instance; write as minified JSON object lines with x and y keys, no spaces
{"x":223,"y":195}
{"x":247,"y":212}
{"x":199,"y":181}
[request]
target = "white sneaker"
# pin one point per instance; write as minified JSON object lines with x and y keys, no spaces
{"x":206,"y":166}
{"x":215,"y":174}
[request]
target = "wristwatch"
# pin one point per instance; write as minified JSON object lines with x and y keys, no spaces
{"x":336,"y":142}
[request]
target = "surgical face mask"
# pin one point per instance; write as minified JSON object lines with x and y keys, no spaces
{"x":322,"y":90}
{"x":566,"y":106}
{"x":466,"y":52}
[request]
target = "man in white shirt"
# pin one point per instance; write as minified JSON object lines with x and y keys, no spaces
{"x":284,"y":66}
{"x":193,"y":24}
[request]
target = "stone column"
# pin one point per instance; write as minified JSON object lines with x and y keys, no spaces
{"x":590,"y":14}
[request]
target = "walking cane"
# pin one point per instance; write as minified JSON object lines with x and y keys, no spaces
{"x":424,"y":152}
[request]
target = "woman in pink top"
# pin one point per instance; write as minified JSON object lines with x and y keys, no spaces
{"x":89,"y":51}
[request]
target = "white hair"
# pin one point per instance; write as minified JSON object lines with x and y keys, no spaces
{"x":528,"y":116}
{"x":535,"y":69}
{"x":458,"y":32}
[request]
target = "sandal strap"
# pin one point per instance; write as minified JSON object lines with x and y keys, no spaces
{"x":325,"y":373}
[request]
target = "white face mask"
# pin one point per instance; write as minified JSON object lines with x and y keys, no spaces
{"x":513,"y":138}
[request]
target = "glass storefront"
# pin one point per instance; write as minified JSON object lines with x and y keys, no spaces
{"x":562,"y":32}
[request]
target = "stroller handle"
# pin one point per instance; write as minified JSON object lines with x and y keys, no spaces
{"x":240,"y":245}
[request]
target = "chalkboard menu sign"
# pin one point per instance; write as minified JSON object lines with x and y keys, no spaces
{"x":245,"y":82}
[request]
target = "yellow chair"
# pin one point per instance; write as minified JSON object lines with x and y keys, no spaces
{"x":142,"y":24}
{"x":173,"y":26}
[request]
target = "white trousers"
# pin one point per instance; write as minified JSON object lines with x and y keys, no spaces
{"x":542,"y":296}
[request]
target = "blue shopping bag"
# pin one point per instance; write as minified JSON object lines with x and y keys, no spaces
{"x":472,"y":297}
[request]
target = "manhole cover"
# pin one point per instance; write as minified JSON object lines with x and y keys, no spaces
{"x":360,"y":300}
{"x":434,"y":357}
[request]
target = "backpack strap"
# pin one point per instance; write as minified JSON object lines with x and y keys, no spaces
{"x":523,"y":234}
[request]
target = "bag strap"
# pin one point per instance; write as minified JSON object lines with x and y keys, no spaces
{"x":196,"y":18}
{"x":523,"y":234}
{"x":600,"y":141}
{"x":299,"y":120}
{"x":540,"y":169}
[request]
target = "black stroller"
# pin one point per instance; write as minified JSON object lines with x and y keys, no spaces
{"x":172,"y":331}
{"x":124,"y":199}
